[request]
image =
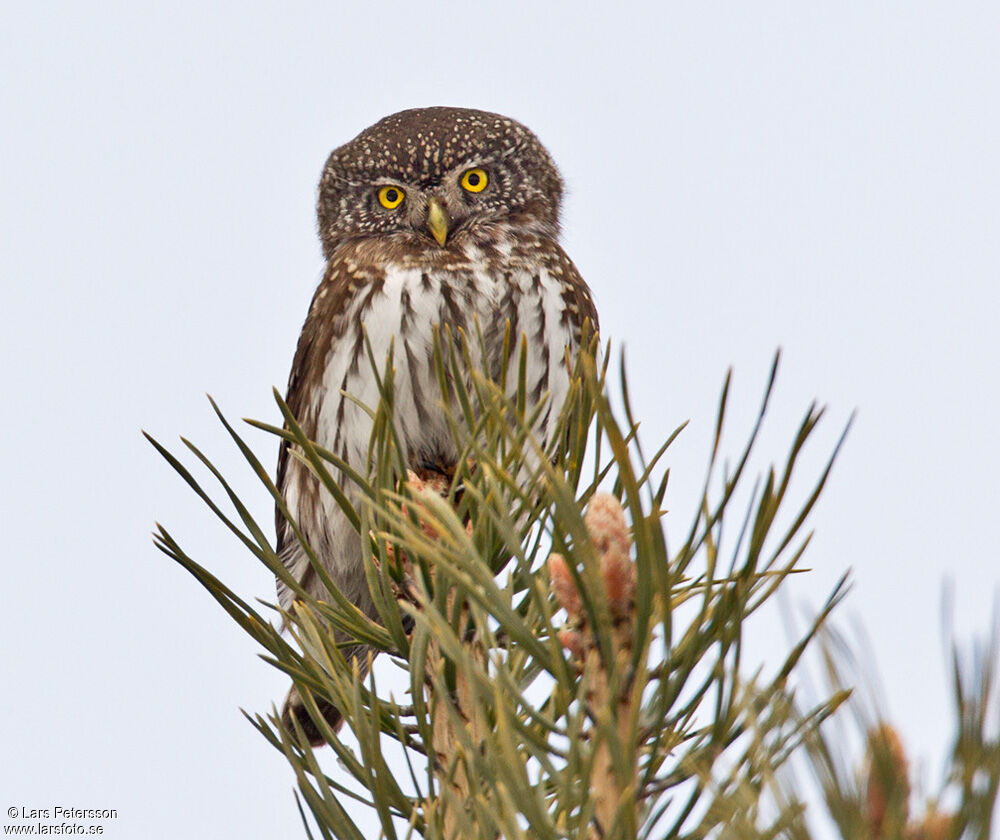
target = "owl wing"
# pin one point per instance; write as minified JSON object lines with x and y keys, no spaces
{"x":298,"y":384}
{"x":288,"y":548}
{"x":576,"y":293}
{"x":306,"y":376}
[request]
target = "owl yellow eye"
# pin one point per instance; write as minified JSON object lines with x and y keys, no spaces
{"x":475,"y":180}
{"x":390,"y":197}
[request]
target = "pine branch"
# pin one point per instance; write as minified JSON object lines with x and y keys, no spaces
{"x":631,"y":717}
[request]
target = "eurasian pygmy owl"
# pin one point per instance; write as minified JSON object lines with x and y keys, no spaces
{"x":430,"y":217}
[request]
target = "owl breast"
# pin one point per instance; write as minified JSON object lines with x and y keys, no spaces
{"x":399,"y":300}
{"x":400,"y":313}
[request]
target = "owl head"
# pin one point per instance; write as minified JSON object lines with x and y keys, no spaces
{"x":430,"y":177}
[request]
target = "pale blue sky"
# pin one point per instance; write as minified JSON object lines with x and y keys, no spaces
{"x":823,"y":177}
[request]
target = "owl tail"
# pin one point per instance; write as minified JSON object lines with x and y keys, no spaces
{"x":293,"y":706}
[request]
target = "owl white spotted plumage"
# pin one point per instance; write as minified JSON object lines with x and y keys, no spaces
{"x":432,"y":217}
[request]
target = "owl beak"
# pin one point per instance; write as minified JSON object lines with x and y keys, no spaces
{"x":437,"y":220}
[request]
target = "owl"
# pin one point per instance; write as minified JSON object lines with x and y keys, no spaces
{"x":431,"y":218}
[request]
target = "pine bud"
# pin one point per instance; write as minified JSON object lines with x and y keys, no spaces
{"x":605,"y":520}
{"x":886,"y":801}
{"x":564,"y":587}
